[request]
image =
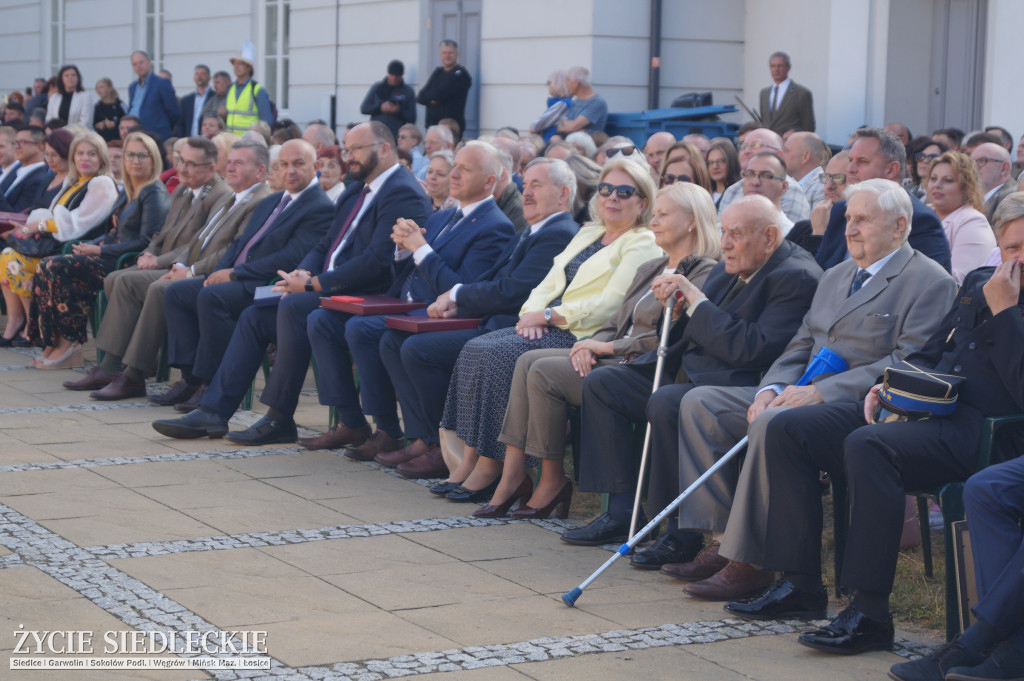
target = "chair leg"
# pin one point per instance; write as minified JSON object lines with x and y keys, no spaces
{"x":840,"y":527}
{"x":926,"y":535}
{"x":952,"y":503}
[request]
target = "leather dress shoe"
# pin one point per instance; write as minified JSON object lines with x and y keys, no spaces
{"x":522,"y":494}
{"x":463,"y":495}
{"x":192,"y":403}
{"x":934,"y":667}
{"x":429,"y":464}
{"x":442,"y":488}
{"x":559,"y":505}
{"x":782,"y":600}
{"x":601,"y":530}
{"x":707,"y":563}
{"x":266,"y":431}
{"x":198,"y":423}
{"x":374,"y":445}
{"x":1006,"y":663}
{"x":21,"y":342}
{"x":121,"y":388}
{"x":409,"y":452}
{"x":851,"y":633}
{"x":338,"y":436}
{"x":735,"y":580}
{"x":671,"y":548}
{"x":94,"y":379}
{"x":179,"y":392}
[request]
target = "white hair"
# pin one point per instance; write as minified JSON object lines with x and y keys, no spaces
{"x":891,"y":198}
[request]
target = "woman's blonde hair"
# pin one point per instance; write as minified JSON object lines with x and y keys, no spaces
{"x":101,"y":149}
{"x":130,"y":188}
{"x":966,"y":174}
{"x":644,"y":185}
{"x":696,"y":201}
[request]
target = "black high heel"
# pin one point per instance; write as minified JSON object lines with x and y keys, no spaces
{"x":442,"y":488}
{"x":560,"y":505}
{"x":6,"y":342}
{"x":522,"y":494}
{"x":463,"y":494}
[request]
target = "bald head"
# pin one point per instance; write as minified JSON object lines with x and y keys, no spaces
{"x":750,"y":234}
{"x":900,"y":131}
{"x":761,"y":139}
{"x":993,"y":163}
{"x":655,"y":148}
{"x":803,"y":152}
{"x":297,"y":164}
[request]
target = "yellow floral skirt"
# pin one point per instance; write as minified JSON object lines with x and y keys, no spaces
{"x":18,"y":270}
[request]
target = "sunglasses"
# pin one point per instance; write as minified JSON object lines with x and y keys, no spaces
{"x":921,"y":156}
{"x":622,"y":191}
{"x":615,"y":151}
{"x":669,"y":178}
{"x":834,"y":178}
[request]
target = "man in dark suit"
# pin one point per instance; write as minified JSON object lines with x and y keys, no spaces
{"x":201,"y":313}
{"x":420,"y":365}
{"x":750,"y":307}
{"x":456,"y":246}
{"x":353,"y":257}
{"x":878,"y":153}
{"x":993,"y":162}
{"x":21,"y":184}
{"x":151,"y":98}
{"x":192,"y":103}
{"x":785,"y":105}
{"x":979,"y":340}
{"x":872,"y":311}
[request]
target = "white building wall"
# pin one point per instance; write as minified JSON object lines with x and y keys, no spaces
{"x":24,"y":44}
{"x":1004,"y":97}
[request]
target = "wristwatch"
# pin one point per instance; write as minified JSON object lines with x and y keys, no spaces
{"x":547,"y":315}
{"x":309,"y":285}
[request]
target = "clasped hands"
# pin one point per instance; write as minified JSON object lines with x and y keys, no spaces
{"x":292,"y":282}
{"x":408,"y":235}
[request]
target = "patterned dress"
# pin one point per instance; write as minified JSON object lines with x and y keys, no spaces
{"x":482,"y":379}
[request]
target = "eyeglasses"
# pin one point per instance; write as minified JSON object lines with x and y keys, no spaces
{"x":622,"y":191}
{"x":764,"y":175}
{"x":137,"y":155}
{"x":192,"y":165}
{"x":834,"y":178}
{"x":984,"y":161}
{"x":718,"y":162}
{"x":615,"y":151}
{"x":348,"y":151}
{"x":19,"y":143}
{"x":758,"y":146}
{"x":669,"y":178}
{"x":921,"y":156}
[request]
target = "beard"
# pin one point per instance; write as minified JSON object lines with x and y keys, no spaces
{"x":363,"y":170}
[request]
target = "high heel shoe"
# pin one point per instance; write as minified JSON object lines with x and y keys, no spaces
{"x":522,"y":494}
{"x":442,"y":488}
{"x":69,"y":359}
{"x":560,"y":505}
{"x":6,"y":342}
{"x":463,"y":494}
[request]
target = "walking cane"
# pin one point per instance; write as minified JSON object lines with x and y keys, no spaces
{"x":666,"y":326}
{"x":825,"y":361}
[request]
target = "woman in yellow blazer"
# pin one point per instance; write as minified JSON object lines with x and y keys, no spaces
{"x":585,"y":287}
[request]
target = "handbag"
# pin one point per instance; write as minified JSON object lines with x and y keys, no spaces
{"x":36,"y":246}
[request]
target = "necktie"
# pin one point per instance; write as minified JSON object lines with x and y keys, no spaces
{"x":733,"y":292}
{"x":285,"y":200}
{"x":210,"y":229}
{"x":775,"y":96}
{"x":858,"y":281}
{"x":451,"y":223}
{"x":344,"y":228}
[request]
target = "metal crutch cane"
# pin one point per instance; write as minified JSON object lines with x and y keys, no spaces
{"x":666,"y":326}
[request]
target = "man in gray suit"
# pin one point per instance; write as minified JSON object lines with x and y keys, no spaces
{"x":785,"y":105}
{"x":872,"y":310}
{"x":133,"y":327}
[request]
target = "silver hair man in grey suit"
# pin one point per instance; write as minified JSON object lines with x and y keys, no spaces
{"x":872,"y":310}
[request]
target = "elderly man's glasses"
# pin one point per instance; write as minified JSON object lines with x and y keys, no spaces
{"x":622,"y":191}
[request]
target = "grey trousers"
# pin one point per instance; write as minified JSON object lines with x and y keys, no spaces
{"x":133,"y":326}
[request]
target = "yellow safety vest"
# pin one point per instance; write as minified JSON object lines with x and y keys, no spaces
{"x":242,"y":111}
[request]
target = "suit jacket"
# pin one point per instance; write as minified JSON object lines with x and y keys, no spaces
{"x":888,"y":319}
{"x":460,"y":255}
{"x":188,"y":109}
{"x":184,"y":219}
{"x":364,"y":263}
{"x":293,"y":233}
{"x":926,"y":235}
{"x":500,"y":292}
{"x":137,"y":222}
{"x":203,"y":257}
{"x":8,"y":176}
{"x":1008,"y":187}
{"x":23,"y":195}
{"x":795,"y":111}
{"x":733,"y":344}
{"x":159,"y":112}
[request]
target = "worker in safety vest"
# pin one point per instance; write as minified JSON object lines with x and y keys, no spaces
{"x":247,"y":101}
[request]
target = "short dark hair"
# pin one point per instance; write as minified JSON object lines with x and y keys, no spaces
{"x":130,"y":117}
{"x":204,"y":67}
{"x":777,"y":156}
{"x":222,"y":74}
{"x":889,"y":145}
{"x":204,"y":145}
{"x":449,"y":43}
{"x":38,"y":134}
{"x":955,"y":135}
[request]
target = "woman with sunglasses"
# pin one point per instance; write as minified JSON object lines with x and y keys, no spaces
{"x":66,"y":285}
{"x":921,"y":151}
{"x":583,"y":289}
{"x":687,"y":168}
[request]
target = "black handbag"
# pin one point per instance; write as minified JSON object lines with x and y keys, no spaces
{"x":36,"y":246}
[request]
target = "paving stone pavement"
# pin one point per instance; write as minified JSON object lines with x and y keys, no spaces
{"x":352,"y":571}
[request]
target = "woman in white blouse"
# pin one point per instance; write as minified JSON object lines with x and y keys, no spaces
{"x":72,"y":103}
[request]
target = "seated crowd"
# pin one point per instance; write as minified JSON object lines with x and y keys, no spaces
{"x":564,"y":246}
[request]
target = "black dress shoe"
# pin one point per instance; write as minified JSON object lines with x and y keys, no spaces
{"x":934,"y":667}
{"x":197,"y":423}
{"x":851,"y":633}
{"x":464,"y":495}
{"x":442,"y":488}
{"x":601,"y":530}
{"x":1006,"y":663}
{"x":266,"y":431}
{"x":782,"y":600}
{"x":179,"y":392}
{"x":21,"y":342}
{"x":672,"y":548}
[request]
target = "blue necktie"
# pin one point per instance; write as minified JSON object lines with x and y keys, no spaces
{"x":858,"y":281}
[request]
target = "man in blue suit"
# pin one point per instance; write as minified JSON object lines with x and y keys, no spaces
{"x":878,"y":153}
{"x":456,"y":246}
{"x":192,"y":103}
{"x":201,"y":313}
{"x":151,"y":98}
{"x":420,"y":365}
{"x":354,"y":256}
{"x":21,"y":183}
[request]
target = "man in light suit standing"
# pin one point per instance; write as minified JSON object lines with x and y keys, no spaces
{"x":784,"y":104}
{"x":872,"y":310}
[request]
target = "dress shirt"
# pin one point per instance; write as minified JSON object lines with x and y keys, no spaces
{"x":213,"y":224}
{"x":374,"y":187}
{"x":467,"y":210}
{"x":197,"y":111}
{"x":140,"y":94}
{"x":778,"y":94}
{"x":22,"y":172}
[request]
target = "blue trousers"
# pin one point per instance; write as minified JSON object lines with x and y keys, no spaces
{"x":326,"y":330}
{"x":200,"y":320}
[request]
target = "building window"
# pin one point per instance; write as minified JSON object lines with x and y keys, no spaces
{"x":155,"y":31}
{"x":275,"y":61}
{"x":56,"y":35}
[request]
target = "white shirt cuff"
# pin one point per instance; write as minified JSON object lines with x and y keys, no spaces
{"x":691,"y":308}
{"x":454,"y":292}
{"x":422,"y":252}
{"x":777,"y":387}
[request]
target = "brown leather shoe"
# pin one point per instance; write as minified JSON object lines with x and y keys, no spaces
{"x":735,"y":580}
{"x":378,"y":442}
{"x":121,"y":388}
{"x":705,"y":564}
{"x":179,"y":392}
{"x":413,"y":450}
{"x":94,"y":379}
{"x":338,"y":436}
{"x":429,"y":464}
{"x":192,"y":403}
